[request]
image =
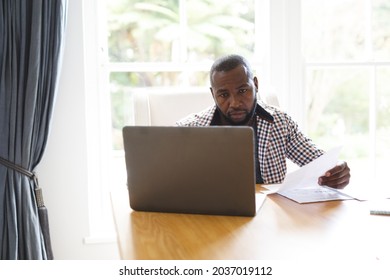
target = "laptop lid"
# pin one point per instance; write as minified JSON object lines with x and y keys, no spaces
{"x":201,"y":170}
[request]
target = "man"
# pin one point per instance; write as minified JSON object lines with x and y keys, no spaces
{"x":234,"y":89}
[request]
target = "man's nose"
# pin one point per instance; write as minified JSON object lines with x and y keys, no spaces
{"x":235,"y":101}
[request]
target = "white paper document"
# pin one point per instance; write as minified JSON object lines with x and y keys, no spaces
{"x":302,"y":184}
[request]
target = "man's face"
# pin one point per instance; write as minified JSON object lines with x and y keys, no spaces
{"x":234,"y":94}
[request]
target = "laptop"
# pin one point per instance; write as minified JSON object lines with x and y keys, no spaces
{"x":197,"y":170}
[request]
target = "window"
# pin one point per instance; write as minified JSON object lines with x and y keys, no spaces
{"x":346,"y":46}
{"x":341,"y":96}
{"x":172,"y":43}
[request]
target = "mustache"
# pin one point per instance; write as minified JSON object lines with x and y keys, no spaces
{"x":232,"y":111}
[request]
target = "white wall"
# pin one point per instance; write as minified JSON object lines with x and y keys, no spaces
{"x":64,"y":173}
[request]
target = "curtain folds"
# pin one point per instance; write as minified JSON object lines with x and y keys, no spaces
{"x":31,"y":43}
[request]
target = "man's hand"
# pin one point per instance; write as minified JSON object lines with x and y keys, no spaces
{"x":337,"y":177}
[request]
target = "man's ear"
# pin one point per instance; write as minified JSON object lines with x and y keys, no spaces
{"x":256,"y":82}
{"x":212,"y":94}
{"x":211,"y":90}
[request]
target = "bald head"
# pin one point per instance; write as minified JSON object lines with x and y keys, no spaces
{"x":229,"y":62}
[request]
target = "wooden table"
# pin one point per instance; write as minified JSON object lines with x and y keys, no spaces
{"x":281,"y":230}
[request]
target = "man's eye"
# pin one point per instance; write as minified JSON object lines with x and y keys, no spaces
{"x":224,"y":95}
{"x":243,"y":90}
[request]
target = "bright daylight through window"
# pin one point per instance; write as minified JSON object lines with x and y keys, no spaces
{"x":170,"y":44}
{"x":346,"y":47}
{"x":165,"y":44}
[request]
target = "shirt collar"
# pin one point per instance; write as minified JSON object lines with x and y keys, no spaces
{"x":262,"y":113}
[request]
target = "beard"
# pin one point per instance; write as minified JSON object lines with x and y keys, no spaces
{"x":245,"y":121}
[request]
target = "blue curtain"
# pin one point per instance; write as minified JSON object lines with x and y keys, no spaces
{"x":31,"y":43}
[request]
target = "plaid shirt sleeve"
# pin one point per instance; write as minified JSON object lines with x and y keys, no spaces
{"x":281,"y":139}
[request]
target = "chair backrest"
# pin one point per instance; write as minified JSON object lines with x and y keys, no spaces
{"x":164,"y":109}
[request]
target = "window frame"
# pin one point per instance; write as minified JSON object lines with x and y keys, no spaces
{"x":371,"y":64}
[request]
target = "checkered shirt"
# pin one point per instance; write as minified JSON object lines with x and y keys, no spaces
{"x":278,"y":136}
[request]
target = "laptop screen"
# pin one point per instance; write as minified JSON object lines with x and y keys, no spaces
{"x":202,"y":170}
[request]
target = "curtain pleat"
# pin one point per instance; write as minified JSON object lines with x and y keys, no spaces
{"x":31,"y":43}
